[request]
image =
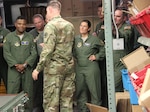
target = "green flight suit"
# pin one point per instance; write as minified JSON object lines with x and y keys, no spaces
{"x":127,"y":33}
{"x":18,"y":51}
{"x":38,"y":84}
{"x":102,"y":64}
{"x":88,"y":72}
{"x":3,"y":64}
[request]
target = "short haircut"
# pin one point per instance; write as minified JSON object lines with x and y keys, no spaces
{"x":21,"y":17}
{"x":38,"y":16}
{"x":54,"y":4}
{"x":87,"y":21}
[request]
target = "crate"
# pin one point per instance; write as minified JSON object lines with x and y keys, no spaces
{"x":125,"y":78}
{"x":141,"y":22}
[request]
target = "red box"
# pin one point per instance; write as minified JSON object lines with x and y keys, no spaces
{"x":138,"y":79}
{"x":142,"y":22}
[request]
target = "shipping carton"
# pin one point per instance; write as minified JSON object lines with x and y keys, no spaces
{"x":144,"y":98}
{"x":95,"y":108}
{"x":146,"y":83}
{"x":123,"y":103}
{"x":136,"y":60}
{"x":137,"y":108}
{"x":141,"y":4}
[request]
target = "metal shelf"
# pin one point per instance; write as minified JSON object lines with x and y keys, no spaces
{"x":109,"y":56}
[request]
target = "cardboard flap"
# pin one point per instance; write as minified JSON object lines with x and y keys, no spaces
{"x":136,"y":60}
{"x":146,"y":83}
{"x":95,"y":108}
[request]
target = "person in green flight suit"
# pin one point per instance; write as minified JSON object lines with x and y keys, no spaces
{"x":39,"y":23}
{"x":87,"y":51}
{"x":20,"y":54}
{"x":99,"y":32}
{"x":126,"y":32}
{"x":3,"y":64}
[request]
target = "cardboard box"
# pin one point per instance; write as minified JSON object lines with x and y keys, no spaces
{"x":144,"y":99}
{"x":141,"y":4}
{"x":122,"y":95}
{"x":136,"y":60}
{"x":132,"y":9}
{"x":95,"y":108}
{"x":146,"y":83}
{"x":123,"y":103}
{"x":137,"y":108}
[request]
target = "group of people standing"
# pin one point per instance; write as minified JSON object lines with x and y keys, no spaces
{"x":62,"y":65}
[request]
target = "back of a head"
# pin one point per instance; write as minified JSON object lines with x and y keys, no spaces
{"x":54,"y":4}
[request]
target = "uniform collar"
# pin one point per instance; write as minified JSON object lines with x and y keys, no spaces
{"x":56,"y":17}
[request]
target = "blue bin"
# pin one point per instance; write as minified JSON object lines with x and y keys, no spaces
{"x":125,"y":79}
{"x":133,"y":94}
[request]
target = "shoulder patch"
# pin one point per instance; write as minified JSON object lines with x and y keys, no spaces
{"x":127,"y":27}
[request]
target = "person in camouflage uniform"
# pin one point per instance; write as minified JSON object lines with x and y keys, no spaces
{"x":57,"y":62}
{"x":20,"y":54}
{"x":3,"y":64}
{"x":87,"y":51}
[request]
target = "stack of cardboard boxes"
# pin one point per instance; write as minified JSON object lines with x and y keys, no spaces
{"x":137,"y":64}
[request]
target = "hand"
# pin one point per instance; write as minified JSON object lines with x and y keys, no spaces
{"x":41,"y":44}
{"x":1,"y":44}
{"x":92,"y":58}
{"x":20,"y":68}
{"x":94,"y":34}
{"x":35,"y":74}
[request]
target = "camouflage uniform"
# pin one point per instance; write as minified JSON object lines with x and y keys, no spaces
{"x":56,"y":60}
{"x":127,"y":33}
{"x":18,"y":51}
{"x":88,"y":72}
{"x":3,"y":64}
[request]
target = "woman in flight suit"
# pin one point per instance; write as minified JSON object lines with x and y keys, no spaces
{"x":87,"y":51}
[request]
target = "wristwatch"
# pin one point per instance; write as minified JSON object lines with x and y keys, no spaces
{"x":25,"y":65}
